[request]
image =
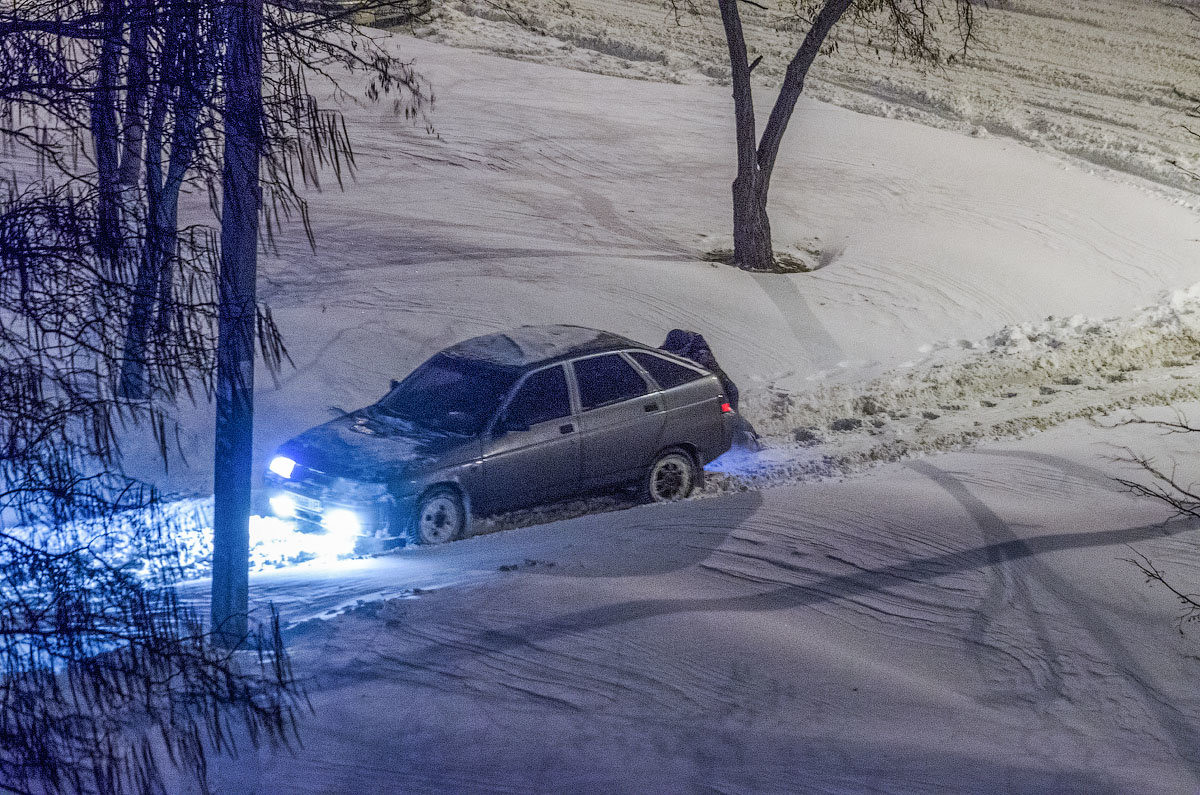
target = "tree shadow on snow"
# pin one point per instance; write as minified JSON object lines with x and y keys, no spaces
{"x":641,"y":540}
{"x":1005,"y":548}
{"x":1002,"y":548}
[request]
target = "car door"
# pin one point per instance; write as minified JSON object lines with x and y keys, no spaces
{"x":532,"y":453}
{"x":620,"y":420}
{"x":692,"y":405}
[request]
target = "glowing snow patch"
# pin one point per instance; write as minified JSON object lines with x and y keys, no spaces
{"x":733,"y":461}
{"x":282,"y":466}
{"x":276,"y":542}
{"x":283,"y":506}
{"x":342,"y":522}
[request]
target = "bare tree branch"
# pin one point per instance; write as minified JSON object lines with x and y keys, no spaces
{"x":1189,"y":601}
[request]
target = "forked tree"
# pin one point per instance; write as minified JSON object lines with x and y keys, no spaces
{"x":905,"y":28}
{"x":934,"y":31}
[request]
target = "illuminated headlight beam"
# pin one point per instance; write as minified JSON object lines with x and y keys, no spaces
{"x":283,"y":506}
{"x":342,"y":522}
{"x":282,"y":466}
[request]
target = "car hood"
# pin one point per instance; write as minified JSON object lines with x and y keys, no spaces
{"x":371,"y":446}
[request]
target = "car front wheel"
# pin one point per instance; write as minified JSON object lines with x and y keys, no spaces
{"x":440,"y":517}
{"x":671,"y":477}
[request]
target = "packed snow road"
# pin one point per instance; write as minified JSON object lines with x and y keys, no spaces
{"x":963,"y":623}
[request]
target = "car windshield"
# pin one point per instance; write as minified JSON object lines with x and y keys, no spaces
{"x":451,"y":394}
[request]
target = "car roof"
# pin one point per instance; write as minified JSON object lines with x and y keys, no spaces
{"x":529,"y":346}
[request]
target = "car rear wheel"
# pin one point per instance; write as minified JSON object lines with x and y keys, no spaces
{"x":671,"y":477}
{"x":440,"y":517}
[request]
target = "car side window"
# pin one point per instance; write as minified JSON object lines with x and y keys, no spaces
{"x":543,"y":397}
{"x":665,"y":372}
{"x":607,"y":379}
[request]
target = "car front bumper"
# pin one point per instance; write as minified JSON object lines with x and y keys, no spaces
{"x":318,"y":503}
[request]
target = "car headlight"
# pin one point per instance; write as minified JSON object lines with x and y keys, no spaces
{"x":282,"y":466}
{"x":283,"y":506}
{"x":342,"y":522}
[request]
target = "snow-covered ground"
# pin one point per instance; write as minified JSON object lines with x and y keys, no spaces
{"x":551,"y":195}
{"x":881,"y":619}
{"x":962,"y":623}
{"x":1106,"y":81}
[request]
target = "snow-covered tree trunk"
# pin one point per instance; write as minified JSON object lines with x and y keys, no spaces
{"x":237,"y":311}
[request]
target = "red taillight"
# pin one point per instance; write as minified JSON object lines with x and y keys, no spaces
{"x":726,"y":408}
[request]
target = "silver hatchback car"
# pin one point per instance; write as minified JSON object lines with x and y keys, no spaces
{"x":500,"y":422}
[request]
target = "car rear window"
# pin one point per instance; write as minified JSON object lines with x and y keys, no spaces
{"x":666,"y":373}
{"x":543,"y":397}
{"x":607,"y":379}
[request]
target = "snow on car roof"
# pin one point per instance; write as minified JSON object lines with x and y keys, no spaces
{"x":528,"y":345}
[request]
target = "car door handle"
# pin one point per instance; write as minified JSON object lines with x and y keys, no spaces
{"x":651,"y":407}
{"x":566,"y":428}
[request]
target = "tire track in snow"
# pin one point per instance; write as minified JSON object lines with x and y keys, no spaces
{"x":449,"y":653}
{"x":1006,"y":589}
{"x":1081,"y":472}
{"x":603,"y":211}
{"x":1005,"y":548}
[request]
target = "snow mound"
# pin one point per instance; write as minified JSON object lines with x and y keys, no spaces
{"x":1025,"y":377}
{"x":1175,"y":312}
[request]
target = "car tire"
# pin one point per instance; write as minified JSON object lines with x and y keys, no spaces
{"x":440,"y":517}
{"x":673,"y":475}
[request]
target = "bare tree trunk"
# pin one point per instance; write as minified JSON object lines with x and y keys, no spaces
{"x":752,"y":248}
{"x":133,"y":364}
{"x":184,"y":144}
{"x":152,"y":292}
{"x":105,"y":137}
{"x":133,"y":128}
{"x":237,"y":312}
{"x":751,"y":229}
{"x":168,"y":244}
{"x":194,"y":96}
